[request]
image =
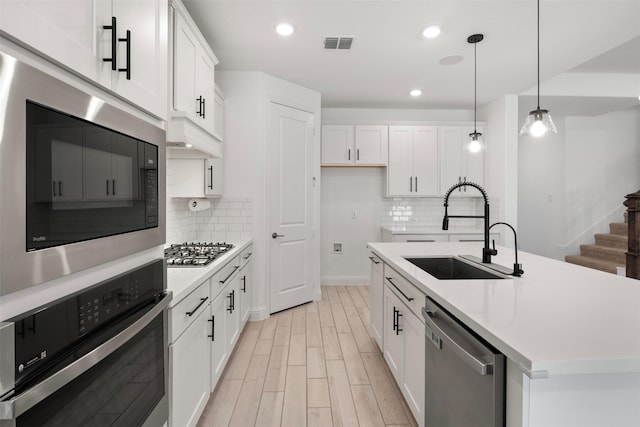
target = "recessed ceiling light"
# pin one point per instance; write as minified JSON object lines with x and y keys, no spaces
{"x":285,"y":29}
{"x":431,"y":31}
{"x":415,"y":92}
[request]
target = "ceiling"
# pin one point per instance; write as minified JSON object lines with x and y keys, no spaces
{"x":389,"y":56}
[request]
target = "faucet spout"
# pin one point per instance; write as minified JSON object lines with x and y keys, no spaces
{"x":487,"y":252}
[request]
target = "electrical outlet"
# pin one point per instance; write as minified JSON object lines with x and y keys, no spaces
{"x":337,"y":248}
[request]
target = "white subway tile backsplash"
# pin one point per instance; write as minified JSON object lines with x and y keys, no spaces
{"x":229,"y":218}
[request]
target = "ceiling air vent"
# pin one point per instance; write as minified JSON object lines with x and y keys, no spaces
{"x":338,"y":42}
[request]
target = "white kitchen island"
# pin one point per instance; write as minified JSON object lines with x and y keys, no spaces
{"x":571,"y":335}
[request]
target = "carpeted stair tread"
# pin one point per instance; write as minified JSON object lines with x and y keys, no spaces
{"x":604,"y":253}
{"x":612,"y":240}
{"x":621,"y":228}
{"x":609,"y":267}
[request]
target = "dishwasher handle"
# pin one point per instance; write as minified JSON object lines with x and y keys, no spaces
{"x":437,"y":336}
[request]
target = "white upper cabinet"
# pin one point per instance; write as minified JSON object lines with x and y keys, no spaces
{"x":457,"y":163}
{"x":195,"y":113}
{"x":195,"y":178}
{"x":413,"y":161}
{"x":349,"y":145}
{"x":73,"y":34}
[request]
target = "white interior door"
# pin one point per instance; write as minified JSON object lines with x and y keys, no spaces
{"x":290,"y":205}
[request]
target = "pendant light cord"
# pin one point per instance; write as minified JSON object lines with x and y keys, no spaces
{"x":475,"y":86}
{"x":538,"y":54}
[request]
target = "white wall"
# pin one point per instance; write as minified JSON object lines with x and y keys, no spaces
{"x":573,"y":184}
{"x":345,"y":191}
{"x":247,"y":94}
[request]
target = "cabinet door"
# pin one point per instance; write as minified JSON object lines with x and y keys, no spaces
{"x":413,"y":383}
{"x":213,"y":176}
{"x":371,"y":145}
{"x":185,"y":48}
{"x":205,"y":89}
{"x":63,"y":30}
{"x":189,"y":373}
{"x":146,"y":83}
{"x":186,"y":178}
{"x":400,"y":169}
{"x":218,"y":338}
{"x":393,"y":334}
{"x":425,"y":161}
{"x":232,"y":295}
{"x":376,"y":294}
{"x":450,"y":158}
{"x":337,"y":145}
{"x":246,"y":283}
{"x":66,"y":171}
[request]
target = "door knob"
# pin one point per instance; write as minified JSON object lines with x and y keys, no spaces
{"x":276,"y":235}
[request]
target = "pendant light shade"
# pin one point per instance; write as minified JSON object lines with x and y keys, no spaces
{"x":475,"y":144}
{"x":538,"y":121}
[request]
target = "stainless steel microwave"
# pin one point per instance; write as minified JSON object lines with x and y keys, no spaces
{"x":82,"y":181}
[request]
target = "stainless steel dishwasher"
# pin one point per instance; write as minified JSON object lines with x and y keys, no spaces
{"x":464,"y":376}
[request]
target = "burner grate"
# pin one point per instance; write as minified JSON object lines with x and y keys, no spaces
{"x":194,"y":254}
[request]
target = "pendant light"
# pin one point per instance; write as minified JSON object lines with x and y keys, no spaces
{"x":476,"y":141}
{"x":538,"y":121}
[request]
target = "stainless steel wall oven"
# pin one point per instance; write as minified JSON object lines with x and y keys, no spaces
{"x":82,"y":181}
{"x":97,"y":357}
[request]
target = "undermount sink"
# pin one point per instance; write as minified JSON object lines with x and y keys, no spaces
{"x":452,"y":268}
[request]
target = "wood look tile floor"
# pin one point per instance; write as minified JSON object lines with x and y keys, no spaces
{"x":315,"y":365}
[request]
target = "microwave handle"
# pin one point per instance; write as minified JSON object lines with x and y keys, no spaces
{"x":12,"y":409}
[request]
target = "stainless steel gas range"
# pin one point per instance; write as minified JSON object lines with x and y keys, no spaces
{"x":194,"y":254}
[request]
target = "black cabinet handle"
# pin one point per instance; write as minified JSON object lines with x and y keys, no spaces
{"x":398,"y":329}
{"x":114,"y":43}
{"x":410,"y":184}
{"x":107,"y":187}
{"x":398,"y":289}
{"x":127,"y":69}
{"x":230,"y":307}
{"x":213,"y":328}
{"x":199,"y":110}
{"x":54,"y":188}
{"x":60,"y":188}
{"x":233,"y":300}
{"x":113,"y":187}
{"x":204,"y":107}
{"x":211,"y":177}
{"x":395,"y":319}
{"x":247,"y":256}
{"x":202,"y":301}
{"x":416,"y":178}
{"x":244,"y":284}
{"x":358,"y":154}
{"x":230,"y":274}
{"x":374,"y":260}
{"x":349,"y":154}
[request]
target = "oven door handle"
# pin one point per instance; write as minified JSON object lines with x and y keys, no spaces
{"x":18,"y":405}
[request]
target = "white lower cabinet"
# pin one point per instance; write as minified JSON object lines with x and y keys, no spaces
{"x":189,"y":357}
{"x":246,"y":283}
{"x":218,"y":338}
{"x":376,"y":294}
{"x":404,"y":350}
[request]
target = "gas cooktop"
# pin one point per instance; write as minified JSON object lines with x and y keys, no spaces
{"x":194,"y":254}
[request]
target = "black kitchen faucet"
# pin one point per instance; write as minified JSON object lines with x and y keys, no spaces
{"x":486,"y":251}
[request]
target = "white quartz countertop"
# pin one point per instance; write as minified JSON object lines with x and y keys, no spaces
{"x":183,"y":280}
{"x":433,"y":230}
{"x":558,"y":318}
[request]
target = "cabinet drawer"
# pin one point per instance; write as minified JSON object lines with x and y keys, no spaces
{"x":408,"y":294}
{"x":245,"y":256}
{"x":224,"y":276}
{"x":186,"y":311}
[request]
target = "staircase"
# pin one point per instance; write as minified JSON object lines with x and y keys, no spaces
{"x":609,"y":250}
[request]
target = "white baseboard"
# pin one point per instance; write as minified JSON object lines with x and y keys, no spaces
{"x":345,"y":280}
{"x":258,"y":313}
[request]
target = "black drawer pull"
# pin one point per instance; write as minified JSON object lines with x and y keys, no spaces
{"x":403,"y":294}
{"x":213,"y":328}
{"x":230,"y":274}
{"x":202,"y":301}
{"x":114,"y":42}
{"x":127,"y":69}
{"x":374,"y":260}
